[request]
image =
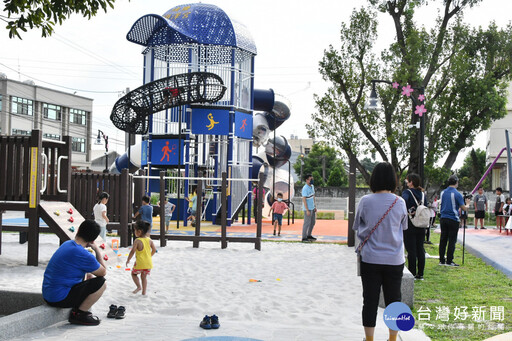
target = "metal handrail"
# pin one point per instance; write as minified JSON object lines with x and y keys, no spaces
{"x":45,"y":168}
{"x":58,"y":174}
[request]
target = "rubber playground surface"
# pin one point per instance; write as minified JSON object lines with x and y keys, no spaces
{"x":332,"y":231}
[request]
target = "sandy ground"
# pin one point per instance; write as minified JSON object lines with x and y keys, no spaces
{"x":307,"y":292}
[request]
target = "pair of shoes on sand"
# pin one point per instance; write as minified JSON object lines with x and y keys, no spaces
{"x":116,"y":312}
{"x":210,"y":322}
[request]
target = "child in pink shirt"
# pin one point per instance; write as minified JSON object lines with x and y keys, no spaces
{"x":278,"y":207}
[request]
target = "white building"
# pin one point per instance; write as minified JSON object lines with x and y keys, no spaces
{"x":25,"y":106}
{"x":496,"y":141}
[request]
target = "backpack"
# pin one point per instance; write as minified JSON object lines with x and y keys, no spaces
{"x":422,"y":216}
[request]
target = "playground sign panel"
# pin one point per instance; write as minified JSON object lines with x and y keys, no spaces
{"x":166,"y":151}
{"x":243,"y":125}
{"x":32,"y":202}
{"x":210,"y":121}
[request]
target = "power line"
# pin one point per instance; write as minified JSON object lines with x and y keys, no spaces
{"x":61,"y":86}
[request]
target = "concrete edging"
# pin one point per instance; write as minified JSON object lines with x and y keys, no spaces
{"x":26,"y":312}
{"x":30,"y":320}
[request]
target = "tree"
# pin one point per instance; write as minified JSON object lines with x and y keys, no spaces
{"x":322,"y":159}
{"x":44,"y":14}
{"x":465,"y":72}
{"x":336,"y":178}
{"x":472,"y":170}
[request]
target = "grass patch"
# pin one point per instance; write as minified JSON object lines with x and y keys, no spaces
{"x":471,"y":285}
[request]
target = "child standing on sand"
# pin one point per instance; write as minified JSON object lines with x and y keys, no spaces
{"x":278,"y":207}
{"x":100,"y":214}
{"x":144,"y":249}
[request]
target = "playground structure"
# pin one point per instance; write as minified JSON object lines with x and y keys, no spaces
{"x":36,"y":179}
{"x":39,"y":182}
{"x":193,"y":135}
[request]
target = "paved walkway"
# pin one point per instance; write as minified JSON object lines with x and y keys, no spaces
{"x":493,"y":247}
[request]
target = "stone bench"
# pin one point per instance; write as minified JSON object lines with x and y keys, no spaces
{"x":407,"y":290}
{"x":25,"y":313}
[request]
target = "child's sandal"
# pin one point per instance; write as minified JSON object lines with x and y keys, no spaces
{"x":120,"y":313}
{"x":112,"y":312}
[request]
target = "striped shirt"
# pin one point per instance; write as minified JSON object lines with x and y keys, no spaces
{"x":451,"y":200}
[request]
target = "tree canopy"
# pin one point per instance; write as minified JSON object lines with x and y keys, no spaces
{"x":322,"y":161}
{"x":45,"y":14}
{"x":464,"y":71}
{"x":472,"y":170}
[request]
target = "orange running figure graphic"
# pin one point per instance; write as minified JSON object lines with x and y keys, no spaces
{"x":212,"y":122}
{"x":244,"y":124}
{"x":166,"y":150}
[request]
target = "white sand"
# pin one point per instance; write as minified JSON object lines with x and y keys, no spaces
{"x":308,"y":287}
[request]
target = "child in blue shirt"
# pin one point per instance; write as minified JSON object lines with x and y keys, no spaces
{"x":146,"y":213}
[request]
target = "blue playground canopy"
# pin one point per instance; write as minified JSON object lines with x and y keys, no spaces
{"x":193,"y":23}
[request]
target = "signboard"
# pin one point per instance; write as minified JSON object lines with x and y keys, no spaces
{"x":210,"y":121}
{"x":34,"y":159}
{"x":243,"y":125}
{"x":166,"y":151}
{"x":144,"y":153}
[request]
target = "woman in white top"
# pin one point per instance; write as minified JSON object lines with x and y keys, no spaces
{"x":100,"y":214}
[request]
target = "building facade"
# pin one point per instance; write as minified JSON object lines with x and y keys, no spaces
{"x":25,"y":106}
{"x":496,"y":142}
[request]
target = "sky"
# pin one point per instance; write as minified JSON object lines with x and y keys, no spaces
{"x":94,"y":59}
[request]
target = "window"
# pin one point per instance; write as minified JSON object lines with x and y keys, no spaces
{"x":51,"y":111}
{"x":22,"y":106}
{"x":51,"y":136}
{"x":77,"y":116}
{"x":78,"y":145}
{"x":307,"y":150}
{"x":20,"y":132}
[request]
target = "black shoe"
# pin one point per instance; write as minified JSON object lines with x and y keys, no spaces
{"x":483,"y":228}
{"x":120,"y":313}
{"x":311,"y":238}
{"x":427,"y":242}
{"x":206,"y":323}
{"x":442,"y":263}
{"x":306,"y":240}
{"x":418,"y":278}
{"x":214,"y":322}
{"x":84,"y":318}
{"x":112,"y":312}
{"x":452,"y":264}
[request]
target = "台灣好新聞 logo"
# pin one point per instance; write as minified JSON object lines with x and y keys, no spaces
{"x":398,"y":316}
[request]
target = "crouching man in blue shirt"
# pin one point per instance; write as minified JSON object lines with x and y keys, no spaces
{"x":64,"y":285}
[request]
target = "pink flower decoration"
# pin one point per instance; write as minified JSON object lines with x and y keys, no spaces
{"x":420,"y":110}
{"x":407,"y":90}
{"x":421,"y":98}
{"x":395,"y":85}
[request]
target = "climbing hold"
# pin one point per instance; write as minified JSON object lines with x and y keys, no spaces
{"x":105,"y":257}
{"x":127,"y":269}
{"x":70,"y":211}
{"x":71,"y":219}
{"x":72,"y":229}
{"x":57,"y":213}
{"x":102,"y":246}
{"x":118,"y":266}
{"x":252,"y":280}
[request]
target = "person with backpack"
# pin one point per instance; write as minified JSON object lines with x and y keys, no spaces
{"x":418,"y":222}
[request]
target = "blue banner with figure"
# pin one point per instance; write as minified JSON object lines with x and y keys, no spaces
{"x":166,"y":151}
{"x":243,"y":125}
{"x":210,"y":121}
